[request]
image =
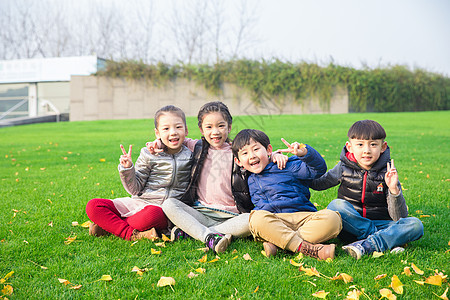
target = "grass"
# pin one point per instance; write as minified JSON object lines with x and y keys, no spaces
{"x":49,"y":171}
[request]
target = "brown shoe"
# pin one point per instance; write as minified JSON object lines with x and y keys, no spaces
{"x":96,"y":230}
{"x":318,"y":251}
{"x":270,"y":249}
{"x":150,"y":234}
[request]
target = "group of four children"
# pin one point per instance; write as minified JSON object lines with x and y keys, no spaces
{"x":213,"y":190}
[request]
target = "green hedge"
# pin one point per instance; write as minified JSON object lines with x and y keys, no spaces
{"x":389,"y":89}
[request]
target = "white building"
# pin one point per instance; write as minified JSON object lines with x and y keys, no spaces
{"x":39,"y":87}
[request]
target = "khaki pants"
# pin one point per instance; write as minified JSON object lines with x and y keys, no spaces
{"x":288,"y":230}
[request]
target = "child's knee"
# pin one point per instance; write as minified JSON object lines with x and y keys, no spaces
{"x":416,"y":227}
{"x":257,"y":219}
{"x":337,"y":205}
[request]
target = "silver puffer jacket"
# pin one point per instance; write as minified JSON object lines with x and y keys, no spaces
{"x":157,"y":177}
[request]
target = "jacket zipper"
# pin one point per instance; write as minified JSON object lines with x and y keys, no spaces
{"x":264,"y":193}
{"x":174,"y":172}
{"x":364,"y":194}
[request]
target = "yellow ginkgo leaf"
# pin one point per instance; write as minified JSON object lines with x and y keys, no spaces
{"x":7,"y":290}
{"x":407,"y":271}
{"x":396,"y":285}
{"x":192,"y":275}
{"x":419,"y":282}
{"x":64,"y":281}
{"x":320,"y":294}
{"x":377,"y":254}
{"x":353,"y":295}
{"x":86,"y":224}
{"x":75,"y":287}
{"x":299,"y":256}
{"x":70,"y":240}
{"x":344,"y":277}
{"x":310,"y":271}
{"x":161,"y":244}
{"x":204,"y":258}
{"x":257,"y":288}
{"x":416,"y":269}
{"x":165,"y":238}
{"x":378,"y":277}
{"x":154,"y":251}
{"x":106,"y":278}
{"x":200,"y":270}
{"x":6,"y":277}
{"x":387,"y":293}
{"x":294,"y":263}
{"x":213,"y":260}
{"x":444,"y":295}
{"x":246,"y":256}
{"x":264,"y":253}
{"x":434,"y":280}
{"x":205,"y":249}
{"x":165,"y":281}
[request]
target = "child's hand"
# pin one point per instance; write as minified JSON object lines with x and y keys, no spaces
{"x":155,"y":146}
{"x":294,"y":148}
{"x":391,"y":178}
{"x":280,"y":159}
{"x":125,"y":158}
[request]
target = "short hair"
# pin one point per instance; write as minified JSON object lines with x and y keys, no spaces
{"x":211,"y":107}
{"x":170,"y":109}
{"x":366,"y":130}
{"x":244,"y":137}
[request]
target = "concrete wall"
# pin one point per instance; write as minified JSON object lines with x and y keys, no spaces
{"x":96,"y":98}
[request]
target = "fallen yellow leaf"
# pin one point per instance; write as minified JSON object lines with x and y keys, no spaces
{"x":154,"y":251}
{"x":294,"y":263}
{"x":161,"y":244}
{"x":165,"y":238}
{"x":344,"y":277}
{"x":320,"y":294}
{"x":70,"y":240}
{"x":75,"y":223}
{"x":106,"y":278}
{"x":213,"y":260}
{"x":7,"y":290}
{"x":386,"y":293}
{"x":434,"y":280}
{"x":377,"y":254}
{"x":419,"y":282}
{"x":257,"y":288}
{"x":378,"y":277}
{"x":416,"y":269}
{"x":396,"y":285}
{"x":246,"y":256}
{"x":204,"y":258}
{"x":76,"y":287}
{"x":200,"y":270}
{"x":64,"y":281}
{"x":6,"y":277}
{"x":310,"y":271}
{"x":205,"y":249}
{"x":353,"y":295}
{"x":86,"y":224}
{"x":407,"y":271}
{"x":192,"y":275}
{"x":264,"y":253}
{"x":165,"y":281}
{"x":444,"y":295}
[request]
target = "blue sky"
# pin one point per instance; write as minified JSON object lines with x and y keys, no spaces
{"x":415,"y":33}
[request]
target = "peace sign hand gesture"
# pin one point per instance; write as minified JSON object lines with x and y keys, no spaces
{"x":294,"y":148}
{"x":391,"y":178}
{"x":125,"y":158}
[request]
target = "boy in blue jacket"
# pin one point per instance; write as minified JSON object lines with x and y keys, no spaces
{"x":283,"y":215}
{"x":370,"y":198}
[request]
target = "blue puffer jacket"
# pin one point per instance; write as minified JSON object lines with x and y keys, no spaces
{"x":287,"y":190}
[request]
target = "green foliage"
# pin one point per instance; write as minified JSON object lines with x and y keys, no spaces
{"x":50,"y":171}
{"x":387,"y":89}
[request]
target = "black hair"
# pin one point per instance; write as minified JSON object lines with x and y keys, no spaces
{"x":211,"y":107}
{"x":170,"y":109}
{"x":245,"y":136}
{"x":366,"y":130}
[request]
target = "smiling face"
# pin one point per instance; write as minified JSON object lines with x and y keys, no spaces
{"x":253,"y":157}
{"x":215,"y":129}
{"x":366,"y":152}
{"x":172,"y":131}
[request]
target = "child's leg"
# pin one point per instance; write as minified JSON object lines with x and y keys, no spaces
{"x":149,"y":217}
{"x":392,"y":234}
{"x":352,"y":221}
{"x":103,"y":213}
{"x":318,"y":227}
{"x":236,"y":226}
{"x":191,"y":221}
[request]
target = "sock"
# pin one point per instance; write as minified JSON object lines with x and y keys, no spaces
{"x":298,"y":249}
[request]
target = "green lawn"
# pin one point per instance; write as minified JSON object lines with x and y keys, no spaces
{"x":49,"y":171}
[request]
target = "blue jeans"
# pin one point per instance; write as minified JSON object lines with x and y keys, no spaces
{"x":382,"y":234}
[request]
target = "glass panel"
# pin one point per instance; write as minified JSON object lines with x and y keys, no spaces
{"x":11,"y":95}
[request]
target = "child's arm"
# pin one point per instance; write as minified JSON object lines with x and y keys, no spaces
{"x":156,"y":146}
{"x":314,"y":165}
{"x":396,"y":202}
{"x":329,"y":179}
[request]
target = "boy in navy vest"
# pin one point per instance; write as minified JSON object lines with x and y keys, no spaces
{"x":370,"y":199}
{"x":283,"y":216}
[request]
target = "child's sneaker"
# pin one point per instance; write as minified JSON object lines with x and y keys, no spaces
{"x":177,"y":234}
{"x":218,"y":242}
{"x":270,"y":249}
{"x":150,"y":234}
{"x":96,"y":230}
{"x":358,"y":248}
{"x":319,"y":251}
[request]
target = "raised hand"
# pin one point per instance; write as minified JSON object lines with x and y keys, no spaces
{"x":391,"y":178}
{"x":155,"y":147}
{"x":125,"y":158}
{"x":294,"y":148}
{"x":280,"y":159}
